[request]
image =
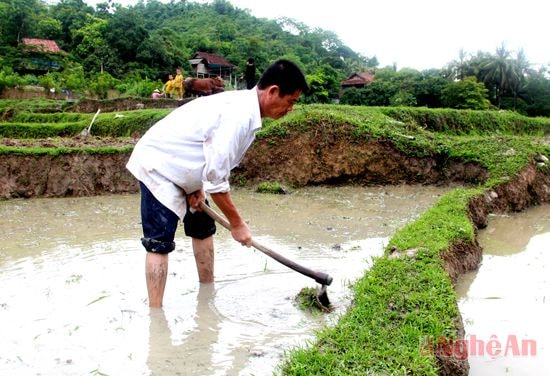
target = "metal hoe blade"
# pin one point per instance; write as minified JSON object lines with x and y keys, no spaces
{"x":322,"y":298}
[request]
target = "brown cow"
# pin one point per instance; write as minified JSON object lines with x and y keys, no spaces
{"x":203,"y":86}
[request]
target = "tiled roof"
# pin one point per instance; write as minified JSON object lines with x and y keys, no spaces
{"x":213,"y":59}
{"x":42,"y":45}
{"x":358,"y":79}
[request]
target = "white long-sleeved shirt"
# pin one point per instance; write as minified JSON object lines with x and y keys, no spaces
{"x":196,"y":146}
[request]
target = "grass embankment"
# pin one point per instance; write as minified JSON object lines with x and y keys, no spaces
{"x":111,"y":124}
{"x":44,"y":119}
{"x":400,"y":302}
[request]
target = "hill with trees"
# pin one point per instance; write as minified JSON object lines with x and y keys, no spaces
{"x":133,"y":49}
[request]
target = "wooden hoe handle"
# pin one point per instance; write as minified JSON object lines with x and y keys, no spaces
{"x":319,"y":277}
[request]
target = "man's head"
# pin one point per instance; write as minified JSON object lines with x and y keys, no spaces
{"x":279,"y":88}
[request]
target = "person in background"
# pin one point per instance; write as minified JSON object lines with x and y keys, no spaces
{"x":250,"y":73}
{"x":156,"y":94}
{"x":178,"y":83}
{"x":168,"y":88}
{"x":191,"y":152}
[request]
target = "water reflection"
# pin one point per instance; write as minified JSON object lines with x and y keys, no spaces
{"x":510,"y":233}
{"x":506,"y":301}
{"x":193,"y":356}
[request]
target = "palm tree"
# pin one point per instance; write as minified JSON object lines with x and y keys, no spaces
{"x":520,"y":69}
{"x":497,"y":72}
{"x":457,"y":68}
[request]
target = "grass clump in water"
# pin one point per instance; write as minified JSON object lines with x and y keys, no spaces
{"x":271,"y":187}
{"x":308,"y":301}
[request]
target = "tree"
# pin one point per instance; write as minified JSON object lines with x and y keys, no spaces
{"x":91,"y":48}
{"x":353,"y":96}
{"x":17,"y":20}
{"x":457,"y":69}
{"x":49,"y":28}
{"x":428,"y":88}
{"x":537,"y":93}
{"x":73,"y":15}
{"x":466,"y":94}
{"x":497,"y":72}
{"x":125,"y":34}
{"x":160,"y":53}
{"x":101,"y":83}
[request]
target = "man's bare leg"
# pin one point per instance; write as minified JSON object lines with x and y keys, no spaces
{"x":156,"y":270}
{"x":204,"y":257}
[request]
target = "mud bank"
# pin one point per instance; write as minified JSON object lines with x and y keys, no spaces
{"x":332,"y":159}
{"x":74,"y":174}
{"x":296,"y":163}
{"x":530,"y":187}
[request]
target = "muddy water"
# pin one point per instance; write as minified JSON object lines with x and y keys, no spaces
{"x":73,"y":297}
{"x":505,"y":305}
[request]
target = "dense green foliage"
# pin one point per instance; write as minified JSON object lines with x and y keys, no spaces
{"x":444,"y":88}
{"x":151,"y":39}
{"x":131,"y":50}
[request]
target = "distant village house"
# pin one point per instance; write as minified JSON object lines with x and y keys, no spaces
{"x":357,"y":80}
{"x":206,"y":64}
{"x":41,"y":55}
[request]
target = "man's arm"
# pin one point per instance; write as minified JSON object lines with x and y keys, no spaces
{"x":239,"y":228}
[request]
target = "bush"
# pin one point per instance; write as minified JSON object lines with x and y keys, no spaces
{"x":468,"y":94}
{"x":353,"y":96}
{"x":133,"y":87}
{"x":101,"y":83}
{"x":8,"y":78}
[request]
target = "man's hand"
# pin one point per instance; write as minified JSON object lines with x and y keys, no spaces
{"x":241,"y":233}
{"x":194,"y":199}
{"x":239,"y":228}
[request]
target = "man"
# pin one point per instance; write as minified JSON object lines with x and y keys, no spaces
{"x":192,"y":151}
{"x":250,"y":73}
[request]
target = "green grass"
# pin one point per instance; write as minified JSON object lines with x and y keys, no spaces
{"x":38,"y":151}
{"x":397,"y":304}
{"x":32,"y":105}
{"x":271,"y":187}
{"x":400,"y":302}
{"x":123,"y":124}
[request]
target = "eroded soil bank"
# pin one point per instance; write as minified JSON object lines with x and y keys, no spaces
{"x":530,"y":187}
{"x":296,"y":163}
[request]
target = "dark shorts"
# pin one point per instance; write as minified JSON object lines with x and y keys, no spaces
{"x":160,"y":223}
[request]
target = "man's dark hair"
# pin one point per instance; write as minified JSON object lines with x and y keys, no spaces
{"x":286,"y":75}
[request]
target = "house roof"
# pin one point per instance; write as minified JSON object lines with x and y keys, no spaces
{"x":41,"y":45}
{"x":358,"y":79}
{"x":213,"y":59}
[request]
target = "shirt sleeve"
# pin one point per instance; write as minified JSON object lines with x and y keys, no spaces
{"x":224,"y":148}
